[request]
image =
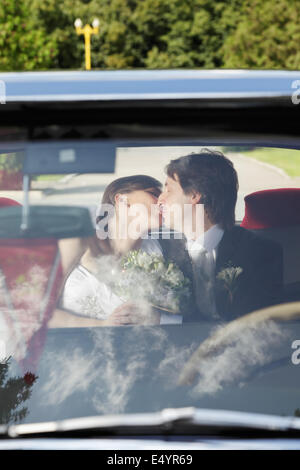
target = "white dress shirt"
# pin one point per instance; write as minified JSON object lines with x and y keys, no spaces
{"x":203,"y":253}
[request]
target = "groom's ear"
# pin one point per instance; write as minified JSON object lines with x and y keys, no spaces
{"x":195,"y":198}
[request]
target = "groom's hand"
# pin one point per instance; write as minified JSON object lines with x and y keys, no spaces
{"x":131,"y":314}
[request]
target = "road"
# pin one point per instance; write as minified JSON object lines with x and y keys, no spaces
{"x":87,"y":189}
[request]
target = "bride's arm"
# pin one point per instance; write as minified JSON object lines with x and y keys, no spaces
{"x":126,"y":314}
{"x":63,"y":319}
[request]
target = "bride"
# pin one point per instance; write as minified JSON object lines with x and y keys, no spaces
{"x":87,"y":298}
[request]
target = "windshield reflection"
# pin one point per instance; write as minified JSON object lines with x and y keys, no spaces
{"x":136,"y":369}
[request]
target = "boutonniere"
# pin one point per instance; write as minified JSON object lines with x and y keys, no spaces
{"x":229,"y":278}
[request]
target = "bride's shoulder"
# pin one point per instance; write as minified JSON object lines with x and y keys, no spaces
{"x":79,"y":275}
{"x":89,"y":263}
{"x":79,"y":284}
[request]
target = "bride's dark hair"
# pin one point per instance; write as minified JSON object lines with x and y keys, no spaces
{"x":126,"y":185}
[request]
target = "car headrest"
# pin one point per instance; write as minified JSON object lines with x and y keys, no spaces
{"x":272,"y":208}
{"x":7,"y":202}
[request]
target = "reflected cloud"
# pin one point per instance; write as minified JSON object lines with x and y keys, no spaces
{"x":124,"y":359}
{"x":173,"y":362}
{"x":231,"y":363}
{"x":68,"y":374}
{"x":112,"y":376}
{"x":118,"y":377}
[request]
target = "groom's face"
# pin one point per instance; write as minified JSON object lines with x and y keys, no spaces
{"x":172,"y":201}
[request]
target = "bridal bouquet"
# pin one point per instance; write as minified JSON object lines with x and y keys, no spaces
{"x":151,"y":278}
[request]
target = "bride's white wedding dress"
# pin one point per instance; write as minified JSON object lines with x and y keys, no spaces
{"x":85,"y":295}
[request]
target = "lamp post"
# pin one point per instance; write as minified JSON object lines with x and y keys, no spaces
{"x":87,"y":31}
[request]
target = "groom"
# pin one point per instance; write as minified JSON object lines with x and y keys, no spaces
{"x":233,"y":271}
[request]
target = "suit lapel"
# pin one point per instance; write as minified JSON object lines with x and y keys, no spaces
{"x":226,"y":249}
{"x":226,"y":256}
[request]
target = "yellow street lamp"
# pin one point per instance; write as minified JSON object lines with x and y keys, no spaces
{"x":87,"y":31}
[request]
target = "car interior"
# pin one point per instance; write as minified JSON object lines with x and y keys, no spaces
{"x":33,"y":233}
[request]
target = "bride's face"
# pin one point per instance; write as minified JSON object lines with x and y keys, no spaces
{"x":141,"y":205}
{"x":147,"y":198}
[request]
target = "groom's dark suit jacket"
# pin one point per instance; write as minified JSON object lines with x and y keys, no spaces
{"x":260,"y":283}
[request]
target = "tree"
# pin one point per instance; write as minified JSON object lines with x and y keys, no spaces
{"x":140,"y":33}
{"x":23,"y":44}
{"x":13,"y":392}
{"x":57,"y":17}
{"x":150,"y":34}
{"x":164,"y":33}
{"x":267,"y":36}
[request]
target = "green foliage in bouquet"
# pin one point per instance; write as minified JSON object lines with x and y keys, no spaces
{"x":150,"y":278}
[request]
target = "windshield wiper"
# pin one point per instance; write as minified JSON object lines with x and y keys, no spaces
{"x":173,"y":421}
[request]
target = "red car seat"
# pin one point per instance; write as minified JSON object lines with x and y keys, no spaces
{"x":30,"y":280}
{"x":275,"y":214}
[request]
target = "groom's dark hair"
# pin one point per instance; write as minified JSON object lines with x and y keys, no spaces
{"x":212,"y":175}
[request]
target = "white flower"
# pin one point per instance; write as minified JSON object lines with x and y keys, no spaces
{"x":144,"y":260}
{"x":229,"y":277}
{"x":175,"y":277}
{"x":150,"y":278}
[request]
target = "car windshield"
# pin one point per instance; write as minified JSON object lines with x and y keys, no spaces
{"x":119,"y":296}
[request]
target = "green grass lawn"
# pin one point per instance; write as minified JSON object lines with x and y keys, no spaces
{"x":286,"y":159}
{"x":49,"y":177}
